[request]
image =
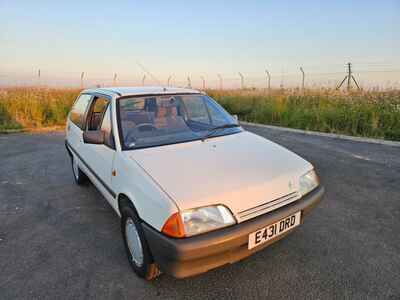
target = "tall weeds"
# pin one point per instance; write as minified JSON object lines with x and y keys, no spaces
{"x":368,"y":114}
{"x":34,"y":107}
{"x":372,"y":114}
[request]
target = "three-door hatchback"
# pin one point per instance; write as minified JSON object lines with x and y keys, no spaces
{"x":194,"y":190}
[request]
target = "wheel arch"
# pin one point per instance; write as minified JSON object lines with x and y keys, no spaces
{"x":125,"y":200}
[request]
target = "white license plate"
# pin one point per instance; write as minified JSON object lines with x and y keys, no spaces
{"x":273,"y":230}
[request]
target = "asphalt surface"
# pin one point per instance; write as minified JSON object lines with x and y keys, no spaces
{"x":58,"y":240}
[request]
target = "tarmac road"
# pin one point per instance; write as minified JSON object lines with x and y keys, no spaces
{"x":61,"y":241}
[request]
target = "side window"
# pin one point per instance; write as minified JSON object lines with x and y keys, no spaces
{"x":106,"y":128}
{"x":96,"y":113}
{"x":196,"y":109}
{"x":100,"y":105}
{"x":78,"y":110}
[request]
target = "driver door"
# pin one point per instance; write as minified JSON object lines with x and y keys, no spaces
{"x":100,"y":158}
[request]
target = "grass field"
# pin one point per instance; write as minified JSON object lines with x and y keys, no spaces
{"x":368,"y":114}
{"x":22,"y":108}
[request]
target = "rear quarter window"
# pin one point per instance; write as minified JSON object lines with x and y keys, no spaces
{"x":78,"y":110}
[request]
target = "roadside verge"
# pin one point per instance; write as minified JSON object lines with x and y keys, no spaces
{"x":331,"y":135}
{"x":33,"y":130}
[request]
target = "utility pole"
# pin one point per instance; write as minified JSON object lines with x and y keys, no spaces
{"x":115,"y":79}
{"x":82,"y":75}
{"x":204,"y":82}
{"x":302,"y":81}
{"x":241,"y":80}
{"x":143,"y":79}
{"x":349,"y":77}
{"x":169,"y":79}
{"x":220,"y":82}
{"x":268,"y":80}
{"x":189,"y":82}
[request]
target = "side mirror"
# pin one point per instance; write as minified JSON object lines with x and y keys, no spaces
{"x":93,"y":137}
{"x":236,"y":118}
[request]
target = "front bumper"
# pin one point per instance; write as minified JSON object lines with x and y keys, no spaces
{"x":191,"y":256}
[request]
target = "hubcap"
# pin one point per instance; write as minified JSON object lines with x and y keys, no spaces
{"x":75,"y":168}
{"x":134,"y":243}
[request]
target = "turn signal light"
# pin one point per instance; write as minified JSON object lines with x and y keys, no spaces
{"x":174,"y":227}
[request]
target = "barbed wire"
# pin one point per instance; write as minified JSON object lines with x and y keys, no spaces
{"x":249,"y":80}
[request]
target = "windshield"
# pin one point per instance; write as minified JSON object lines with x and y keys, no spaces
{"x":167,"y":119}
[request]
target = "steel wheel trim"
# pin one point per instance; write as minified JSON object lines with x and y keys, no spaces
{"x":75,"y":168}
{"x":134,"y":243}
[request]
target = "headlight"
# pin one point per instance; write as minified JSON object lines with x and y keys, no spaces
{"x":199,"y":220}
{"x":308,"y":182}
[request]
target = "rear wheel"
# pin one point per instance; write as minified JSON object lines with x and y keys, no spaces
{"x":79,"y":177}
{"x":136,"y":246}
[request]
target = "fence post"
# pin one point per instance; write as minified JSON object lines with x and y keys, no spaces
{"x":204,"y":82}
{"x":282,"y":79}
{"x":268,"y":81}
{"x":82,"y":76}
{"x":39,"y":81}
{"x":220,"y":82}
{"x":241,"y":80}
{"x":302,"y":81}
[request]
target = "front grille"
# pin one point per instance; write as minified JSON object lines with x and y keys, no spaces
{"x":269,"y":206}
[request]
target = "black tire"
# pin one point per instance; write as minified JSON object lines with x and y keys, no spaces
{"x":80,"y":178}
{"x":147,"y":269}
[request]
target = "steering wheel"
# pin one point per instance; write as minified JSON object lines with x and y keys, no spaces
{"x":130,"y":136}
{"x":146,"y":127}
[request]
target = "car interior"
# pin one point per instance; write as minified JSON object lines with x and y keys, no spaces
{"x":96,"y":113}
{"x":151,"y":115}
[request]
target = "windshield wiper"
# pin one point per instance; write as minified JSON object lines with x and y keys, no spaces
{"x":211,"y":131}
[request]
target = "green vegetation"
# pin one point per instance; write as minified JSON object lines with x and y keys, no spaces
{"x":29,"y":108}
{"x":368,"y":114}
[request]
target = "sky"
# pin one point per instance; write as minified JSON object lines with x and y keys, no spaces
{"x":199,"y":38}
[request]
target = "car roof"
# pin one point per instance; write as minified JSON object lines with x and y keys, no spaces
{"x":142,"y":90}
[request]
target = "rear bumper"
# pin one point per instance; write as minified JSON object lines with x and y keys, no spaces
{"x":191,"y":256}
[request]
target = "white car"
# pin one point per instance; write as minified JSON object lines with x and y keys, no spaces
{"x":193,"y":189}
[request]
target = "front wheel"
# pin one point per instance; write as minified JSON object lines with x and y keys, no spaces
{"x":136,"y":246}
